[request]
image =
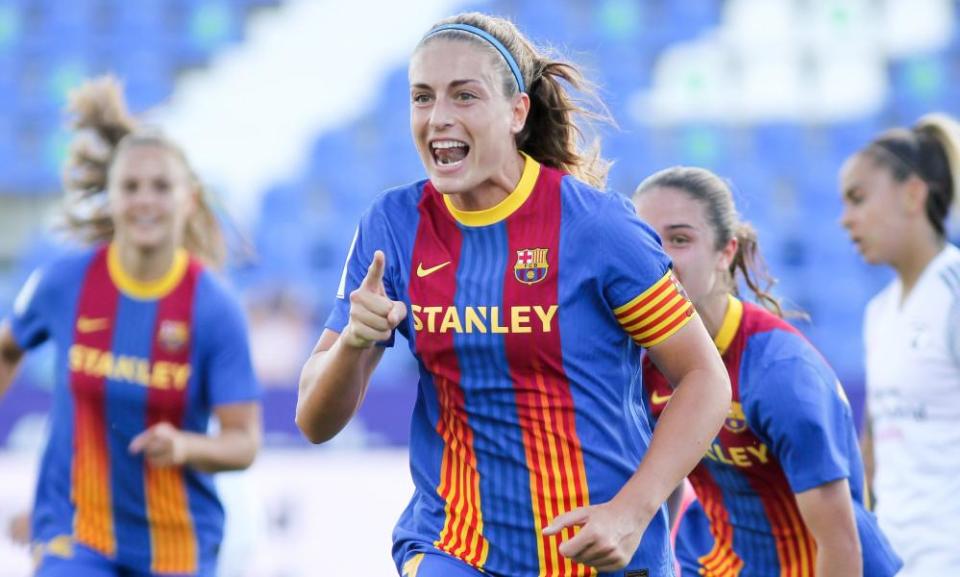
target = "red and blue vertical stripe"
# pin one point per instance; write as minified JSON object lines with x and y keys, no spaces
{"x":124,"y":506}
{"x":506,"y":415}
{"x":91,"y":471}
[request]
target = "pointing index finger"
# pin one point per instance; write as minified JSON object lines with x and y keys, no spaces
{"x":374,"y":279}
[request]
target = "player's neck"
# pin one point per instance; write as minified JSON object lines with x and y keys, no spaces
{"x":712,"y":310}
{"x":916,"y":257}
{"x":145,"y":265}
{"x":501,"y":184}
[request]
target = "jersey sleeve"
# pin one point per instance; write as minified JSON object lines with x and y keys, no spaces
{"x":646,"y":297}
{"x":371,"y":235}
{"x":803,"y":414}
{"x":229,"y":369}
{"x":31,"y":318}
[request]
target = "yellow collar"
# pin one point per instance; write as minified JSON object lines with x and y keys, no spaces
{"x":507,"y":206}
{"x":730,"y":324}
{"x":146,"y":290}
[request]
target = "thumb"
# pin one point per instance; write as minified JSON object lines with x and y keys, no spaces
{"x":572,"y":518}
{"x":374,"y":279}
{"x":397,"y":314}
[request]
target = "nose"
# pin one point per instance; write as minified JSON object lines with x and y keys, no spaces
{"x":846,"y":219}
{"x":441,"y":115}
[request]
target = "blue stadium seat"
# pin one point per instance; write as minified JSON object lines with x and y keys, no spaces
{"x":11,"y":24}
{"x":213,"y":23}
{"x":147,"y":77}
{"x":920,"y":85}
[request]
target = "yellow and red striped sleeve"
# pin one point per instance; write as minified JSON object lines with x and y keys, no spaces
{"x":657,"y":313}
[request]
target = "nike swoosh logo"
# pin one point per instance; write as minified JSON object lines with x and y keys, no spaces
{"x":658,"y":399}
{"x":91,"y":325}
{"x":422,"y":272}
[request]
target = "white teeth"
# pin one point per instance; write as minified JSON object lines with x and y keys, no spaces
{"x":445,"y":162}
{"x":448,"y":144}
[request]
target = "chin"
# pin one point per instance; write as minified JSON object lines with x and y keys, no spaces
{"x":448,"y":184}
{"x":147,"y":244}
{"x":869,"y":257}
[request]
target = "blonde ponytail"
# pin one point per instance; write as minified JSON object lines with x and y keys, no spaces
{"x":945,"y":130}
{"x":103,"y":129}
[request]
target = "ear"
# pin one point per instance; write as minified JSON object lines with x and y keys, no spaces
{"x":915,"y":193}
{"x":728,"y":253}
{"x":520,"y":108}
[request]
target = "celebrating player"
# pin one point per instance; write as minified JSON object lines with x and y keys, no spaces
{"x":782,"y":484}
{"x":508,"y":276}
{"x":149,"y":345}
{"x":897,"y":192}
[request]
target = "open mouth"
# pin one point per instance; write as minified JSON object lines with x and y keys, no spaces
{"x":449,"y":153}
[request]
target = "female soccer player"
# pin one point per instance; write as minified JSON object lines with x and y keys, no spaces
{"x":505,"y":272}
{"x":897,"y":192}
{"x":149,"y":345}
{"x":782,"y":484}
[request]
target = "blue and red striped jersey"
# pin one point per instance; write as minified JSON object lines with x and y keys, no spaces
{"x":130,"y":355}
{"x":789,"y":429}
{"x":526,"y":320}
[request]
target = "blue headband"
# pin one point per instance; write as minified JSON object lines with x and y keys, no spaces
{"x":490,"y":39}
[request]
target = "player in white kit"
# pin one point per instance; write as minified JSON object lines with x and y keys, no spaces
{"x":897,"y":192}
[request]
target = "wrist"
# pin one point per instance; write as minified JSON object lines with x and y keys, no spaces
{"x":185,"y":449}
{"x":350,"y":339}
{"x":640,"y":507}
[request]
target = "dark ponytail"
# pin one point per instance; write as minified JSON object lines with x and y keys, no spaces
{"x":929,"y":150}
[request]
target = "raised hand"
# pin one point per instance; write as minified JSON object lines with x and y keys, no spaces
{"x":373,"y":316}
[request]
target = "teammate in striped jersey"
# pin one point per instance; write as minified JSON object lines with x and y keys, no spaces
{"x":782,"y":484}
{"x":509,"y":277}
{"x":149,"y":345}
{"x":897,"y":193}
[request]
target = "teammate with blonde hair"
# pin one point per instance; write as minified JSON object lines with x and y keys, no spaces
{"x":150,"y":345}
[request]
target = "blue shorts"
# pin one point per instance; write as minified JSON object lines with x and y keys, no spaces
{"x":81,"y":561}
{"x":436,"y":564}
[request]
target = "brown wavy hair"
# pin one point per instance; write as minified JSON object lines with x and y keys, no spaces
{"x":102,"y":129}
{"x":715,"y":195}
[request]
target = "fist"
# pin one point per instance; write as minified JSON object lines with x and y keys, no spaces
{"x":373,"y":316}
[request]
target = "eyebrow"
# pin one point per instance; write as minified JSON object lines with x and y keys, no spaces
{"x":680,"y":226}
{"x":453,"y":84}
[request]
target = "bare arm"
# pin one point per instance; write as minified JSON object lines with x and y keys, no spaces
{"x":827,"y":511}
{"x":11,"y":356}
{"x":689,"y":360}
{"x":232,"y":448}
{"x":335,"y":377}
{"x":333,"y":383}
{"x":611,"y":531}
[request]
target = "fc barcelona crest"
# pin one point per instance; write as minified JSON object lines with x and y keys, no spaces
{"x":736,"y":421}
{"x":172,"y":335}
{"x":531,"y":265}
